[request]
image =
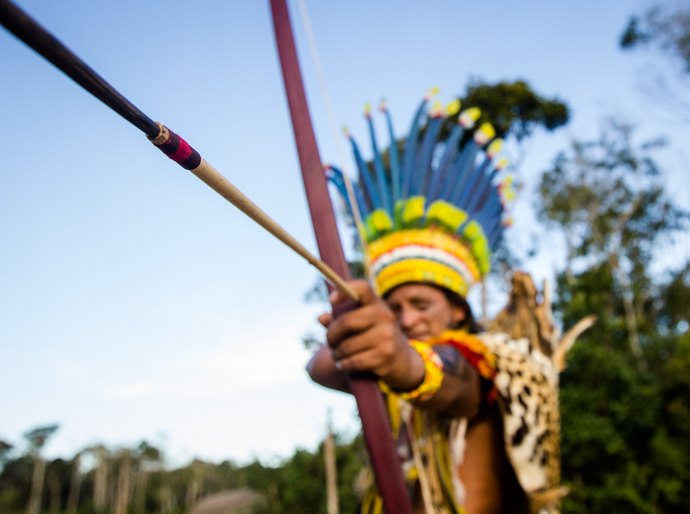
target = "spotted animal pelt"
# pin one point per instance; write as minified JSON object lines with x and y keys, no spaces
{"x":527,"y":385}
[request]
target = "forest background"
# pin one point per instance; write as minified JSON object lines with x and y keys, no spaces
{"x":625,"y":393}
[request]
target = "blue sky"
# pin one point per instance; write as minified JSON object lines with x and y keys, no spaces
{"x":135,"y":303}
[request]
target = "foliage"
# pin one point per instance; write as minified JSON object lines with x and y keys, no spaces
{"x":293,"y":486}
{"x":514,"y":108}
{"x":666,"y":26}
{"x":5,"y":449}
{"x":625,"y":430}
{"x":665,"y":29}
{"x":625,"y":407}
{"x":606,"y":198}
{"x":15,"y":482}
{"x":291,"y":492}
{"x":37,"y":437}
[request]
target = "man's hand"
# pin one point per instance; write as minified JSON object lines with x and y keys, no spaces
{"x":368,"y":339}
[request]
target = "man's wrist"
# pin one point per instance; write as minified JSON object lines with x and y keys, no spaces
{"x":424,"y":373}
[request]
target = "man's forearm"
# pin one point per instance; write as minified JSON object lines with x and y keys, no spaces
{"x":460,"y":392}
{"x":322,"y":370}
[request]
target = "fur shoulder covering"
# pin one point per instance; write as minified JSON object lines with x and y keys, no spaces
{"x":526,"y":382}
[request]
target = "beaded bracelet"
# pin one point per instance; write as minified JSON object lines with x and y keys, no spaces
{"x":433,"y":374}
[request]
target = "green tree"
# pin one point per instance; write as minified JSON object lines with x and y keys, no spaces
{"x":5,"y":449}
{"x":75,"y":483}
{"x":148,"y":459}
{"x":514,"y":108}
{"x":15,"y":483}
{"x":624,"y":396}
{"x":665,"y":29}
{"x":665,"y":26}
{"x":100,"y":477}
{"x":607,"y":200}
{"x":37,"y":438}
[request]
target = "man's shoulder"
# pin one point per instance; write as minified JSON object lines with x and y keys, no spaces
{"x":517,"y":354}
{"x":527,"y":385}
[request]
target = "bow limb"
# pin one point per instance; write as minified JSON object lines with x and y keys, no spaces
{"x":375,"y":425}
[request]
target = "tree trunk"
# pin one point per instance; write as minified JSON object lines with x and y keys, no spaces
{"x":122,"y":494}
{"x":196,"y":485}
{"x":331,"y":474}
{"x":100,"y":481}
{"x":54,"y":490}
{"x":140,"y":495}
{"x":74,"y":486}
{"x":37,"y":480}
{"x":273,"y":497}
{"x":631,"y":322}
{"x":193,"y":491}
{"x":622,"y":280}
{"x":167,"y":500}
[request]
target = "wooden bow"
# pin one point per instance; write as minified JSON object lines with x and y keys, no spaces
{"x":375,"y":425}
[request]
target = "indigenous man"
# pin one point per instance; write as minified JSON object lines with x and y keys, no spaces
{"x":475,"y":415}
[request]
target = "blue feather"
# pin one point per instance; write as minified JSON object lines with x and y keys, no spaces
{"x":411,"y":148}
{"x":426,"y":153}
{"x":380,"y":173}
{"x":393,"y":157}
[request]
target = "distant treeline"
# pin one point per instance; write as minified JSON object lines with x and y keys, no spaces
{"x":136,"y":480}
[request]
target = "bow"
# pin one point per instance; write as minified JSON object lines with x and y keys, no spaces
{"x":375,"y":425}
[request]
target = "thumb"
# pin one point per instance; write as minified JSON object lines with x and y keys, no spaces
{"x":325,"y":319}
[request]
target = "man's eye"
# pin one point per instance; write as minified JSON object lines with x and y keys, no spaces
{"x":421,"y":306}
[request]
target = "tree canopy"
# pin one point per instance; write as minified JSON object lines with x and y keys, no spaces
{"x":665,"y":26}
{"x":625,"y":395}
{"x":514,"y":108}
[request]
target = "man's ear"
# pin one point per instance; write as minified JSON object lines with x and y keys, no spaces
{"x":458,"y":314}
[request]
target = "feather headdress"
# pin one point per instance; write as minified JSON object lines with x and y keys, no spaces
{"x":435,"y":213}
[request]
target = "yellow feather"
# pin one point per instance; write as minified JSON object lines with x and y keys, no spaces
{"x":484,"y":133}
{"x":413,"y":209}
{"x":453,"y":107}
{"x":437,"y":108}
{"x":446,"y":214}
{"x":473,"y":231}
{"x":495,"y":147}
{"x":380,"y":221}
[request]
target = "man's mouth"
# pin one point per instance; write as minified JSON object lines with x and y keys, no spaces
{"x":420,"y":336}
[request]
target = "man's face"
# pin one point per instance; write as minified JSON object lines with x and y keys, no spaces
{"x":423,"y":311}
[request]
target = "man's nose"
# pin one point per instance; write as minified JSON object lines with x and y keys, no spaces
{"x":408,"y":318}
